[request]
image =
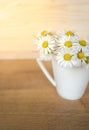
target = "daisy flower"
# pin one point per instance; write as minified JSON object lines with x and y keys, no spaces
{"x":46,"y":45}
{"x":87,"y":60}
{"x":67,"y":42}
{"x":80,"y":57}
{"x":65,"y":58}
{"x":83,"y":44}
{"x":67,"y":48}
{"x":69,"y":33}
{"x":45,"y":33}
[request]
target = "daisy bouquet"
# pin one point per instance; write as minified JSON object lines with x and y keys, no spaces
{"x":67,"y":48}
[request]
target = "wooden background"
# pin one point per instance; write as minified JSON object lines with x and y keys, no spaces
{"x":20,"y":20}
{"x":28,"y":101}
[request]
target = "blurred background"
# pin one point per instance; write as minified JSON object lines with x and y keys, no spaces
{"x":21,"y":20}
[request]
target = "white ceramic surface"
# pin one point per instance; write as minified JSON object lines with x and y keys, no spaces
{"x":70,"y":83}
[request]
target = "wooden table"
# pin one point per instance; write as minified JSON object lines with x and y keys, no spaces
{"x":29,"y":102}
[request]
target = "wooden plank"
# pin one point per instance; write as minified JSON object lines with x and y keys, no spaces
{"x":29,"y":102}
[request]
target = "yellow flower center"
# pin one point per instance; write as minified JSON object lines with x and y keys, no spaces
{"x":50,"y":33}
{"x":45,"y":44}
{"x":67,"y":57}
{"x":80,"y":55}
{"x":43,"y":33}
{"x":82,"y":42}
{"x":69,"y":33}
{"x":87,"y":59}
{"x":68,"y":44}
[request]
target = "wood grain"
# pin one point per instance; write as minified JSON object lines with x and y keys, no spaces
{"x":29,"y":102}
{"x":20,"y":20}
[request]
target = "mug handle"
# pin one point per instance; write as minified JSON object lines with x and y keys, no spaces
{"x":44,"y":70}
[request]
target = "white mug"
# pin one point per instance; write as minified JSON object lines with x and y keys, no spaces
{"x":70,"y":83}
